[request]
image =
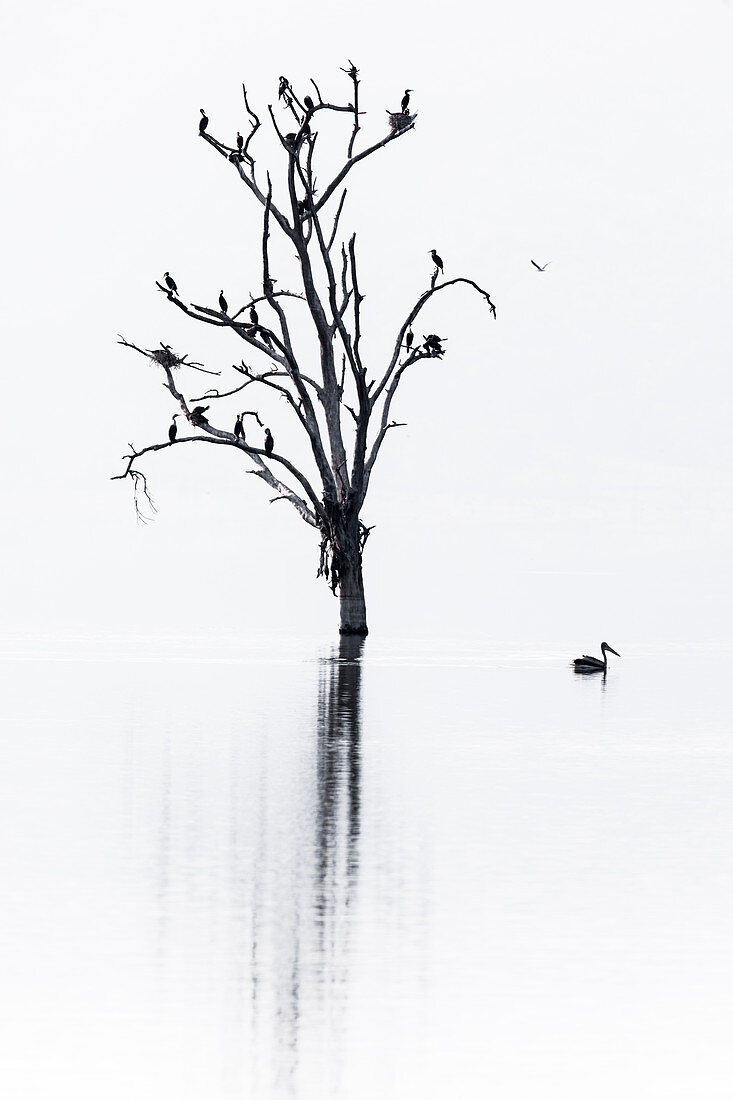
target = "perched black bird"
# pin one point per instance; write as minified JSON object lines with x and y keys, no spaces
{"x":436,"y":259}
{"x":197,"y":415}
{"x":240,"y":141}
{"x":308,"y":104}
{"x":406,"y":100}
{"x":284,"y":87}
{"x":253,"y":316}
{"x":269,"y":442}
{"x":171,"y":283}
{"x":223,"y":303}
{"x":239,"y":428}
{"x":172,"y":431}
{"x":265,"y":337}
{"x":303,"y":208}
{"x":291,"y":140}
{"x":433,"y":344}
{"x":542,"y":269}
{"x":204,"y":122}
{"x":409,"y":338}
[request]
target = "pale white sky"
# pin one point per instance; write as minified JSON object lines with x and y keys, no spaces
{"x":566,"y":471}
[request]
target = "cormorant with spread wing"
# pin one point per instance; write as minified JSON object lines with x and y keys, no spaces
{"x":170,"y":283}
{"x":203,"y":121}
{"x":197,"y":415}
{"x":269,"y":442}
{"x":406,"y":100}
{"x":223,"y":303}
{"x":437,"y":260}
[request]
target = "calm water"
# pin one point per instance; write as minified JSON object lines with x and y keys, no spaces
{"x":293,"y":873}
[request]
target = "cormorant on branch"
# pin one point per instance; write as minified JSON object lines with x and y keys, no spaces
{"x":173,"y":429}
{"x":409,"y":338}
{"x":437,"y":260}
{"x":240,"y":141}
{"x":223,"y":303}
{"x":269,"y":442}
{"x":406,"y":100}
{"x":170,"y":283}
{"x":303,"y":208}
{"x":197,"y":415}
{"x":203,"y":122}
{"x":433,"y":344}
{"x":253,"y":316}
{"x":538,"y":266}
{"x":239,"y":428}
{"x":308,"y":104}
{"x":284,"y":87}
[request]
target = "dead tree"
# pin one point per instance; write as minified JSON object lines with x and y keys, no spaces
{"x":349,"y":402}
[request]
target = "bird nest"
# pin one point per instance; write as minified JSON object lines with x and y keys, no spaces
{"x":166,"y":358}
{"x":400,"y":120}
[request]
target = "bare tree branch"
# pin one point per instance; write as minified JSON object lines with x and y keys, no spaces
{"x":355,"y":160}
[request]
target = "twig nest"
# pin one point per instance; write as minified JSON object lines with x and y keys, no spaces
{"x":400,"y":120}
{"x":166,"y":358}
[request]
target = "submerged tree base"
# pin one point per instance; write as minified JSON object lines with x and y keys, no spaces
{"x":354,"y":631}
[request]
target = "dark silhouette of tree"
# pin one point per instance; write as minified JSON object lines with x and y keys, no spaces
{"x":350,"y":401}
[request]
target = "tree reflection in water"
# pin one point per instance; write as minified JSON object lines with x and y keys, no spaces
{"x":338,"y":778}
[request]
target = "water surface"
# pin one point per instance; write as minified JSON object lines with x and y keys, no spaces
{"x":285,"y":869}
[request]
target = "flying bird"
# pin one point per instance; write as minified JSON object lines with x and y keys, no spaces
{"x":436,"y":259}
{"x":170,"y":283}
{"x":406,"y":100}
{"x":269,"y":442}
{"x":592,"y":664}
{"x":538,"y":266}
{"x":223,"y":303}
{"x":203,"y":121}
{"x":172,"y":431}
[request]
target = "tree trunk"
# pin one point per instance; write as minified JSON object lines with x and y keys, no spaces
{"x":352,"y":602}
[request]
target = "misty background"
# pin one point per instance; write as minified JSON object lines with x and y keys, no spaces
{"x":565,"y":474}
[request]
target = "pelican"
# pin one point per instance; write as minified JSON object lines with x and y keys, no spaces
{"x":592,"y":664}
